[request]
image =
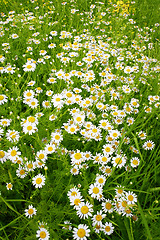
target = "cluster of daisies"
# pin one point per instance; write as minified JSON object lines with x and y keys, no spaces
{"x":80,"y":87}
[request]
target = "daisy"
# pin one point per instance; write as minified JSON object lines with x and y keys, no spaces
{"x":5,"y":122}
{"x":21,"y":172}
{"x":108,"y":149}
{"x":41,"y":155}
{"x":100,"y":180}
{"x":84,"y":210}
{"x":97,"y":219}
{"x":50,"y":148}
{"x":114,"y":134}
{"x":108,"y":228}
{"x":46,"y":104}
{"x":148,"y":145}
{"x":9,"y":186}
{"x":131,"y":197}
{"x":42,"y":234}
{"x":95,"y":190}
{"x":3,"y":99}
{"x":33,"y":103}
{"x":29,"y":128}
{"x":29,"y":66}
{"x":73,"y":192}
{"x":135,"y":162}
{"x":74,"y":170}
{"x":56,"y":137}
{"x":13,"y":153}
{"x":76,"y":200}
{"x":3,"y":156}
{"x":118,"y":161}
{"x":28,"y":94}
{"x":107,"y":206}
{"x":38,"y":181}
{"x":30,"y":211}
{"x":32,"y":120}
{"x":81,"y":233}
{"x":57,"y":100}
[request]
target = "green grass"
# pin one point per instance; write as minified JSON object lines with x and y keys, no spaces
{"x":51,"y":201}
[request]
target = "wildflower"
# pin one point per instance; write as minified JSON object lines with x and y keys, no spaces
{"x":9,"y":186}
{"x":100,"y":180}
{"x":95,"y":190}
{"x":108,"y":228}
{"x":148,"y":145}
{"x":3,"y":156}
{"x":29,"y":66}
{"x":84,"y":210}
{"x":97,"y":219}
{"x":107,"y":206}
{"x":81,"y":232}
{"x":135,"y":162}
{"x":42,"y":234}
{"x":21,"y":172}
{"x":3,"y":99}
{"x":38,"y":181}
{"x":33,"y":103}
{"x":29,"y":128}
{"x":13,"y":153}
{"x":131,"y":197}
{"x":5,"y":122}
{"x":30,"y":211}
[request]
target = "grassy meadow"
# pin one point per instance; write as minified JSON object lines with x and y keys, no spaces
{"x":79,"y":111}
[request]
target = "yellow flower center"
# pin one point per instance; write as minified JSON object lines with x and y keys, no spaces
{"x":130,"y":198}
{"x":30,"y":211}
{"x":100,"y":180}
{"x":77,"y":201}
{"x":108,"y":206}
{"x":95,"y":190}
{"x":78,"y":119}
{"x":29,"y":128}
{"x":84,"y":209}
{"x":107,"y":228}
{"x":50,"y":149}
{"x":2,"y":154}
{"x":38,"y":180}
{"x":22,"y":172}
{"x":41,"y":156}
{"x":13,"y":153}
{"x":98,"y":217}
{"x":104,"y":159}
{"x":29,"y":66}
{"x":1,"y":97}
{"x":58,"y":99}
{"x":107,"y":149}
{"x":149,"y":144}
{"x":81,"y":232}
{"x":118,"y":160}
{"x":57,"y":137}
{"x":31,"y":119}
{"x":9,"y":185}
{"x":77,"y":156}
{"x":135,"y":162}
{"x":115,"y":134}
{"x":42,"y":234}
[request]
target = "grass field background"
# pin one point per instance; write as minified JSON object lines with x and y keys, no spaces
{"x":114,"y":45}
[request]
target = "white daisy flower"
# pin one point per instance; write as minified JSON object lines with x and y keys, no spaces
{"x":84,"y":210}
{"x":30,"y":211}
{"x":9,"y":186}
{"x":81,"y":233}
{"x":38,"y":181}
{"x":42,"y":234}
{"x":108,"y":228}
